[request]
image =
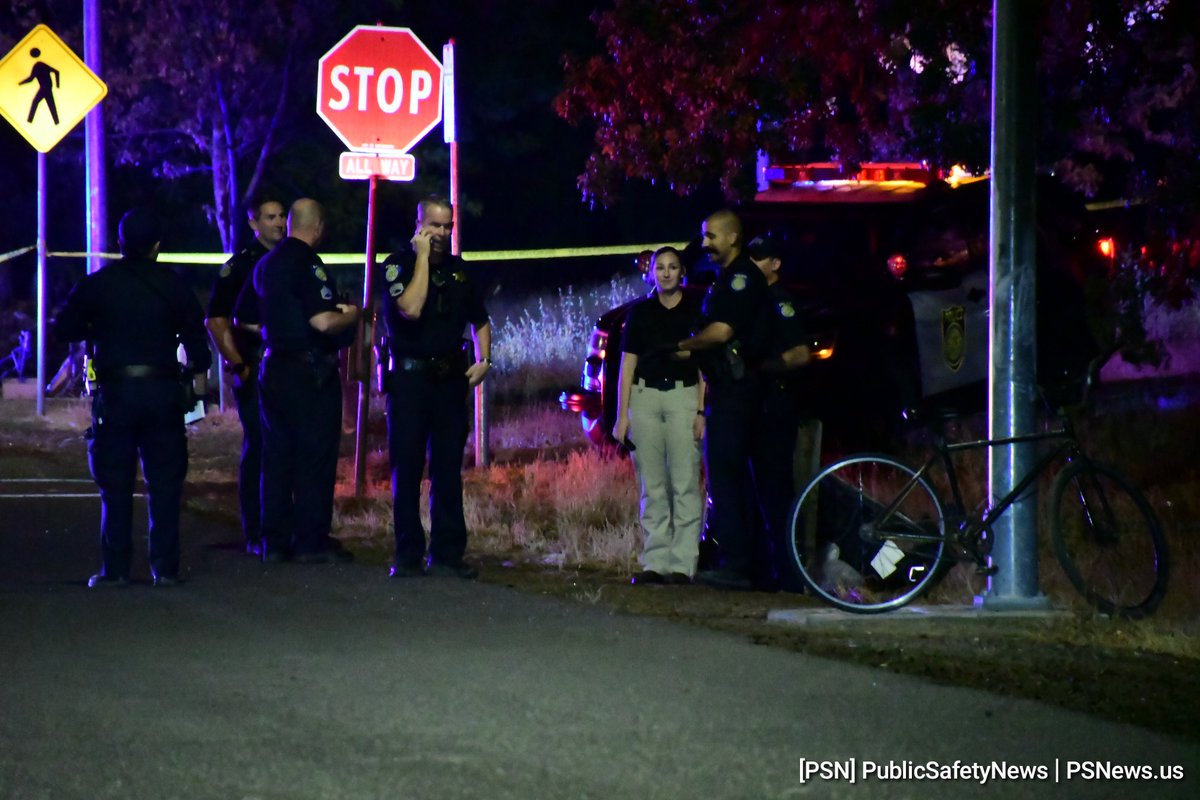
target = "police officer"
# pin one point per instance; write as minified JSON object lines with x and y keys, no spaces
{"x":430,"y":299}
{"x":785,"y":350}
{"x":135,"y":315}
{"x":241,"y":350}
{"x":303,"y":327}
{"x":657,"y":402}
{"x":729,"y":317}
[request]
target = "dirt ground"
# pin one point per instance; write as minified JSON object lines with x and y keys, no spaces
{"x":1146,"y":674}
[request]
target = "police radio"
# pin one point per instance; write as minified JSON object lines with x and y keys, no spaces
{"x":89,"y":374}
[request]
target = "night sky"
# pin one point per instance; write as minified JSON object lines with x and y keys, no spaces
{"x":519,"y":161}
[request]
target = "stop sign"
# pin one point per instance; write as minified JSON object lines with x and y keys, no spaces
{"x":379,"y":89}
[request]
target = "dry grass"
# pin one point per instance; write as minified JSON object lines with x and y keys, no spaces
{"x":540,"y":341}
{"x":581,"y":511}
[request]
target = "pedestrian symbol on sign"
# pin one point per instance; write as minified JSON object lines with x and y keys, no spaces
{"x":41,"y":73}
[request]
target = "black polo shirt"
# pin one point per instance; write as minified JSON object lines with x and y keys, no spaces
{"x":785,"y":327}
{"x":135,"y":312}
{"x":651,"y":325}
{"x":292,"y":286}
{"x":737,"y":299}
{"x":454,"y":300}
{"x":783,"y":330}
{"x":231,"y":279}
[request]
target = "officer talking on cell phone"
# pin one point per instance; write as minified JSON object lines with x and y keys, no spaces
{"x":430,"y":299}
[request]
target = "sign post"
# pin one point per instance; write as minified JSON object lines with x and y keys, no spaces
{"x":380,"y":90}
{"x":45,"y":90}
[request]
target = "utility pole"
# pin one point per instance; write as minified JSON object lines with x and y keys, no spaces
{"x":1012,"y":378}
{"x":97,"y":174}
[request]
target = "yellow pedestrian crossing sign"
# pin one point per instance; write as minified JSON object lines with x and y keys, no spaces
{"x":45,"y":89}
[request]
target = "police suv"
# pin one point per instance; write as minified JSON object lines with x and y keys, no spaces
{"x":889,"y":265}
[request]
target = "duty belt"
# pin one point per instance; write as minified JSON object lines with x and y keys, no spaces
{"x":304,"y":356}
{"x":665,"y":384}
{"x":436,"y":368}
{"x":432,"y":364}
{"x":138,"y":371}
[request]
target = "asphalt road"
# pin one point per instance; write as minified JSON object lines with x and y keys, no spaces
{"x":291,"y":682}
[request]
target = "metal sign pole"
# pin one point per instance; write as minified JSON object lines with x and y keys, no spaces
{"x":366,"y":341}
{"x":483,"y":454}
{"x":41,"y":285}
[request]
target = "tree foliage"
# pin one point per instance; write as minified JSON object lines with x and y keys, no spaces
{"x":688,"y":91}
{"x":205,"y":86}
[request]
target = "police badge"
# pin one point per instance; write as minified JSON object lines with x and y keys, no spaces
{"x":738,"y":282}
{"x":786,"y":310}
{"x":392,"y":273}
{"x":954,"y":343}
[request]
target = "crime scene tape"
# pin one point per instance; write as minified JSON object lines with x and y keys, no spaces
{"x":359,"y":258}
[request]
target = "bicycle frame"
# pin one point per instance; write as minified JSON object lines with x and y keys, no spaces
{"x":969,"y":529}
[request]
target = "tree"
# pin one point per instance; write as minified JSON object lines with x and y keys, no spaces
{"x":688,"y":91}
{"x":208,"y":87}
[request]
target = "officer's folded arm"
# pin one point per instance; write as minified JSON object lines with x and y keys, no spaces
{"x":789,"y":359}
{"x":714,"y":334}
{"x":334,"y":321}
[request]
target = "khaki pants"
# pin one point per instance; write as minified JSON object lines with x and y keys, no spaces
{"x":667,"y":457}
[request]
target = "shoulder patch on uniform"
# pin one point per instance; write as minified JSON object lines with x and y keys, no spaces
{"x":786,"y":310}
{"x":326,"y":294}
{"x":738,"y":282}
{"x":225,"y":270}
{"x":392,"y":273}
{"x":396,"y":289}
{"x":320,"y":273}
{"x":460,"y":276}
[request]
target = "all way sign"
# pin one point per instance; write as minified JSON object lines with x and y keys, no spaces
{"x":390,"y":167}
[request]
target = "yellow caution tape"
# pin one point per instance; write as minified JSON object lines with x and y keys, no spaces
{"x":360,"y":258}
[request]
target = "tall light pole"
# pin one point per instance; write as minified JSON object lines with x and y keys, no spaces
{"x":1012,"y":378}
{"x":97,"y":175}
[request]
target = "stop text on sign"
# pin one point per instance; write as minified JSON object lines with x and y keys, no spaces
{"x":379,"y":89}
{"x":389,"y":88}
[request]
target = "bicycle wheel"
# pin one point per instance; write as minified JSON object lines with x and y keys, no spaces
{"x":1108,"y":540}
{"x":867,"y":535}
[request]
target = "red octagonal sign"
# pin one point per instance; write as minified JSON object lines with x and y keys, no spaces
{"x":380,"y":89}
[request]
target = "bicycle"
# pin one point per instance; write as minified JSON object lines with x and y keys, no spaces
{"x":870,"y":534}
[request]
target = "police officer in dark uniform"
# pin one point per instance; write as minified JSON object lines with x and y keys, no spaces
{"x":730,"y":313}
{"x":785,"y":350}
{"x":242,"y":351}
{"x":430,"y":299}
{"x":303,"y":327}
{"x":135,"y":315}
